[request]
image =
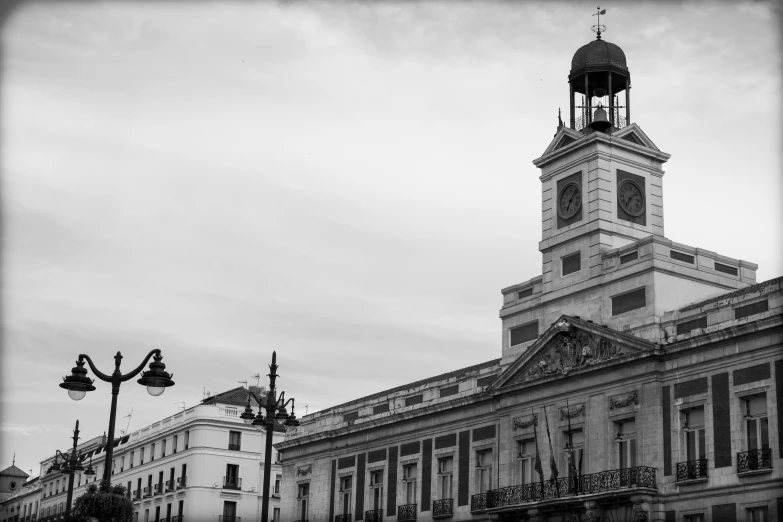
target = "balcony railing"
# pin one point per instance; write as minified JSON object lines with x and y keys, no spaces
{"x":619,"y":121}
{"x":604,"y":481}
{"x":147,"y":492}
{"x":443,"y":508}
{"x":232,"y":483}
{"x":303,"y":520}
{"x":406,"y":512}
{"x":373,"y":515}
{"x":344,"y":517}
{"x":227,"y":518}
{"x":754,"y":460}
{"x":182,"y":482}
{"x":159,"y":488}
{"x":136,"y":494}
{"x":233,"y":447}
{"x":478,"y":502}
{"x":170,"y":485}
{"x":692,"y":470}
{"x":177,"y":518}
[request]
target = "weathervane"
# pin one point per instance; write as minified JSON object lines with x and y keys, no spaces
{"x":597,"y":29}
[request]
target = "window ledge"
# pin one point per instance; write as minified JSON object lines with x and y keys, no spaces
{"x":749,"y":473}
{"x":443,"y":516}
{"x":692,"y":481}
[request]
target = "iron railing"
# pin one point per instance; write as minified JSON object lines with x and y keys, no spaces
{"x":181,"y":482}
{"x":343,"y":517}
{"x":373,"y":515}
{"x":618,"y":123}
{"x":691,"y":470}
{"x":136,"y":494}
{"x":147,"y":492}
{"x":233,"y":447}
{"x":613,"y":480}
{"x":303,"y":520}
{"x":406,"y":512}
{"x":159,"y":488}
{"x":754,"y":460}
{"x":443,"y":508}
{"x":177,"y":518}
{"x":229,"y":518}
{"x":478,"y":502}
{"x":232,"y":483}
{"x":170,"y":485}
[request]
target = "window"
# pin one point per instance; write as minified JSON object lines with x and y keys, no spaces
{"x":756,"y":422}
{"x":522,"y":334}
{"x":141,"y":457}
{"x":627,"y":258}
{"x":174,"y":444}
{"x":168,"y":512}
{"x":484,"y":470}
{"x":626,"y":444}
{"x":445,"y":476}
{"x":131,"y":460}
{"x":57,"y":487}
{"x":302,"y":500}
{"x":276,"y":514}
{"x":571,"y":263}
{"x":130,"y":484}
{"x":699,"y":517}
{"x":234,"y":440}
{"x":229,"y":511}
{"x":157,"y":513}
{"x":409,"y":476}
{"x":526,"y":454}
{"x":187,"y":439}
{"x":183,"y":477}
{"x":160,"y":482}
{"x":525,"y":293}
{"x":346,"y":488}
{"x":278,"y":479}
{"x":171,"y":480}
{"x":629,"y":301}
{"x":376,"y":483}
{"x":146,"y":515}
{"x":574,"y":456}
{"x":181,"y":508}
{"x":152,"y":452}
{"x":163,"y":448}
{"x":138,"y":489}
{"x":122,"y":464}
{"x":757,"y":514}
{"x":695,"y":447}
{"x":232,"y":476}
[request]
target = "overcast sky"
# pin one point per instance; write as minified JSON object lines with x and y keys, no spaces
{"x":349,"y":184}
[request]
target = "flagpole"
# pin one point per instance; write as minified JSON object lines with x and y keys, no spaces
{"x":552,"y":465}
{"x":539,"y":468}
{"x":571,"y":464}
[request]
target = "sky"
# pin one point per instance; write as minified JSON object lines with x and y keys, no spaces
{"x":347,"y":183}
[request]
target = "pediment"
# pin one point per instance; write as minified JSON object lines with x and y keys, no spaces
{"x":634,"y":134}
{"x":564,"y":137}
{"x":569,"y":346}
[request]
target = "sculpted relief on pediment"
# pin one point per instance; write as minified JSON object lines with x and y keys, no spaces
{"x":570,"y":350}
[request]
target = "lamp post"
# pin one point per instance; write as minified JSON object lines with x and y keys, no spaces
{"x":71,"y":464}
{"x":156,"y":379}
{"x":275,"y":409}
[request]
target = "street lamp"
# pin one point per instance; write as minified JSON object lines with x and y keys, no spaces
{"x":275,"y":410}
{"x":71,"y":464}
{"x":156,"y":379}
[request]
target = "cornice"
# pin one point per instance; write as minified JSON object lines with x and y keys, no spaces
{"x":602,"y":138}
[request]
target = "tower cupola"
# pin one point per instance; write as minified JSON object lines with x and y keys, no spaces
{"x":599,"y":81}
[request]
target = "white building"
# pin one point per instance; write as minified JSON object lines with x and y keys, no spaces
{"x":203,"y":464}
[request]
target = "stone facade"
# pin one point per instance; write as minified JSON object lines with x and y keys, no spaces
{"x":656,"y":365}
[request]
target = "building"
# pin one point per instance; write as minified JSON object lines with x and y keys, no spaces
{"x":21,"y":505}
{"x":202,"y":464}
{"x":644,"y":375}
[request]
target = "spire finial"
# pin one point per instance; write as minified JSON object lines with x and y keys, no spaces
{"x":559,"y":119}
{"x":598,"y":29}
{"x":13,"y":463}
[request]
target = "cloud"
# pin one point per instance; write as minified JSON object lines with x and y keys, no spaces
{"x":22,"y":429}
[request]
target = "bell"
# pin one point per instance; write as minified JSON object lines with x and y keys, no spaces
{"x":600,"y":121}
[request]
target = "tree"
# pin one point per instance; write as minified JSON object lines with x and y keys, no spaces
{"x":105,"y":503}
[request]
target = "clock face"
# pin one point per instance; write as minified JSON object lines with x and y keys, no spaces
{"x":569,"y":201}
{"x":631,"y":197}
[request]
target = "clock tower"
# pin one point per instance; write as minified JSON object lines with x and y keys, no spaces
{"x":605,"y":256}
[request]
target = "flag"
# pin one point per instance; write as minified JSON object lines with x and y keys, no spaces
{"x":538,"y":467}
{"x":571,"y":464}
{"x":552,"y":466}
{"x":602,"y":12}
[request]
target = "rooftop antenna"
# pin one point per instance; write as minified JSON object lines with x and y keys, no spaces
{"x":598,"y":29}
{"x":257,"y":377}
{"x":183,"y":405}
{"x":306,"y":409}
{"x":127,"y":425}
{"x":243,"y":382}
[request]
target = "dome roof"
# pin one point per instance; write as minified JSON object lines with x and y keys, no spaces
{"x":598,"y":52}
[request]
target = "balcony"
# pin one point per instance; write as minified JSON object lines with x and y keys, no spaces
{"x":232,"y":483}
{"x":181,"y":482}
{"x":345,"y":517}
{"x":234,"y":447}
{"x":136,"y":494}
{"x":147,"y":492}
{"x":303,"y":520}
{"x":229,"y":518}
{"x":478,"y":502}
{"x":170,"y":486}
{"x":614,"y":482}
{"x":754,"y":461}
{"x":443,"y":508}
{"x":406,"y":512}
{"x":373,"y":515}
{"x":177,"y":518}
{"x":159,"y":488}
{"x":692,"y":471}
